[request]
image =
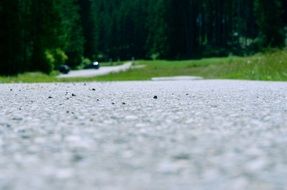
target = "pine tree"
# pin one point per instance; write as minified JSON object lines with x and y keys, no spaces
{"x":269,"y":18}
{"x":14,"y":46}
{"x":88,"y":28}
{"x":72,"y":33}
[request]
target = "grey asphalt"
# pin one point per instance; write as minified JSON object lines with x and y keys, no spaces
{"x":104,"y":70}
{"x":165,"y":135}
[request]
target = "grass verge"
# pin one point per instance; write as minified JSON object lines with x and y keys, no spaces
{"x":271,"y":66}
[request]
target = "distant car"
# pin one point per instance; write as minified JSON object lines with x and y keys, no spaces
{"x":64,"y":69}
{"x":94,"y":65}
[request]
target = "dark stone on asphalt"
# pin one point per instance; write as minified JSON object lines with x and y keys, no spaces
{"x":77,"y":158}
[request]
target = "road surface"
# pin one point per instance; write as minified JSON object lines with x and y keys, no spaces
{"x":97,"y":72}
{"x":165,"y":135}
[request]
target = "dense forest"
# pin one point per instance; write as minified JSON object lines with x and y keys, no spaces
{"x":40,"y":35}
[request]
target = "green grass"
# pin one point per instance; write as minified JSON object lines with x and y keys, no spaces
{"x":29,"y":78}
{"x":268,"y":66}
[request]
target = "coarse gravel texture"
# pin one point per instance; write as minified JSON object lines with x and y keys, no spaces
{"x":117,"y":136}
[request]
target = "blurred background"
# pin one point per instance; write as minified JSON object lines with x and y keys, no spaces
{"x":249,"y":35}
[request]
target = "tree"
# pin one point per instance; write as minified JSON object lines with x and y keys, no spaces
{"x":88,"y":29}
{"x":46,"y":34}
{"x":269,"y":19}
{"x":72,"y":32}
{"x":157,"y":30}
{"x":14,"y":45}
{"x":40,"y":35}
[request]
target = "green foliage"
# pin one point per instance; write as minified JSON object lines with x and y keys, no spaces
{"x":72,"y":32}
{"x":84,"y":62}
{"x":60,"y":57}
{"x":55,"y":57}
{"x":49,"y":58}
{"x":87,"y":23}
{"x":14,"y":47}
{"x":36,"y":34}
{"x":268,"y":66}
{"x":269,"y":18}
{"x":174,"y":29}
{"x":157,"y":41}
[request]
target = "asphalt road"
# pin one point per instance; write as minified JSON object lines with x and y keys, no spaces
{"x":104,"y":70}
{"x":171,"y":135}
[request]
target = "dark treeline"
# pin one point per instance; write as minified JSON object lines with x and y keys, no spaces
{"x":39,"y":35}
